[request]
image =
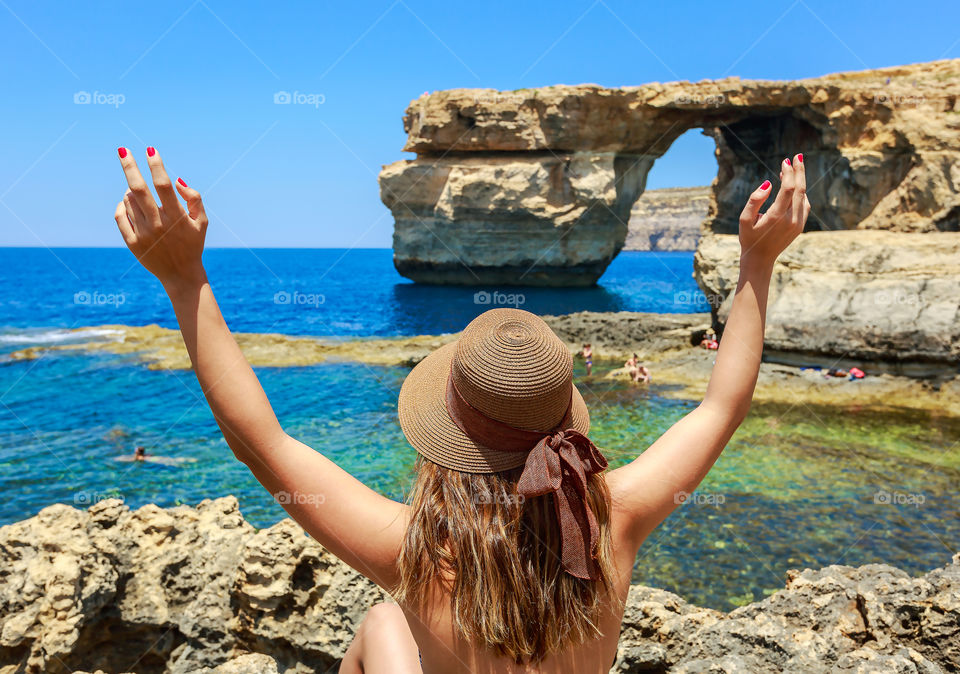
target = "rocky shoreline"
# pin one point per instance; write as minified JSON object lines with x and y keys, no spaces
{"x":666,"y":342}
{"x":890,"y":298}
{"x":198,"y":589}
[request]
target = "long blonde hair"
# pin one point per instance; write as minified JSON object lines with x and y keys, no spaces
{"x":498,"y":556}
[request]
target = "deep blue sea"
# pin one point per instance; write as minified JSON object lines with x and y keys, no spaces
{"x":310,"y":292}
{"x":797,"y":486}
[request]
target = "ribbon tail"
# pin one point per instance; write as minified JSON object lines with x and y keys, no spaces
{"x":576,"y":551}
{"x":575,"y":514}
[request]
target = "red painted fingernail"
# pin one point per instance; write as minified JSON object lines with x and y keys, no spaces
{"x":765,"y":185}
{"x":788,"y":162}
{"x":151,"y":152}
{"x":799,"y":158}
{"x":180,"y":180}
{"x":122,"y":151}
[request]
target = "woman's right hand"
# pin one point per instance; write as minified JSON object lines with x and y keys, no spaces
{"x":167,"y":239}
{"x":764,"y":237}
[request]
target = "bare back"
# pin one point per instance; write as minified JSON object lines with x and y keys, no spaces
{"x":443,"y":652}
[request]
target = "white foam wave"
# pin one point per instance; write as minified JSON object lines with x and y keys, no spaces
{"x":58,"y":336}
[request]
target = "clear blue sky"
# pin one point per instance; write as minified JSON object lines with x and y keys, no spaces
{"x":198,"y":79}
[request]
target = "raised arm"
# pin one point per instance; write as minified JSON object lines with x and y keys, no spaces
{"x":358,"y":525}
{"x":649,"y":488}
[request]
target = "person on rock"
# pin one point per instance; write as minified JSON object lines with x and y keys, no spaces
{"x":709,"y":341}
{"x":637,"y":370}
{"x":587,"y":353}
{"x":515,"y":549}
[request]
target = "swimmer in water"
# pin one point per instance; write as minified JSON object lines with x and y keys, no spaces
{"x":140,"y":455}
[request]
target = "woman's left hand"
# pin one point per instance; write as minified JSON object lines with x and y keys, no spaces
{"x":166,"y":239}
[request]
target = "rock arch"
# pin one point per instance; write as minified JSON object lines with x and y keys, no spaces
{"x":534,"y":186}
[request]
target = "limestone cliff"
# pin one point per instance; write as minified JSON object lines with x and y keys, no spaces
{"x":200,"y":590}
{"x":668,"y":219}
{"x":534,"y":186}
{"x":843,"y":298}
{"x":553,"y":219}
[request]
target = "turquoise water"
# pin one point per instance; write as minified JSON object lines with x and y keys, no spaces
{"x":795,"y":493}
{"x":796,"y":487}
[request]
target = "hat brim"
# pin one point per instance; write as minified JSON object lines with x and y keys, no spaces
{"x":428,"y":427}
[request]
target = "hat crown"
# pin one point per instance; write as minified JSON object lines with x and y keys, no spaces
{"x":511,"y":366}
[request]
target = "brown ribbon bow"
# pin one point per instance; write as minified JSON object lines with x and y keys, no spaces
{"x":558,"y":462}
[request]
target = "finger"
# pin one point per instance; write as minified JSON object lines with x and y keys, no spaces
{"x":139,"y":187}
{"x":781,"y":205}
{"x":161,"y":181}
{"x":134,"y":214}
{"x":806,"y":210}
{"x":799,"y":190}
{"x":751,"y":211}
{"x":123,"y":224}
{"x":192,"y":197}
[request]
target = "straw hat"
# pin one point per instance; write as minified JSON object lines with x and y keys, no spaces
{"x":509,"y":365}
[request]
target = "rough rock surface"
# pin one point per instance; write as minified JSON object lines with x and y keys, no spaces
{"x":668,"y":219}
{"x":533,"y":186}
{"x":175,"y":590}
{"x":888,"y":298}
{"x":617,"y":335}
{"x":199,"y":589}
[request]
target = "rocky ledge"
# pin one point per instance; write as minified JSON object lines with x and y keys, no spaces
{"x":200,"y":590}
{"x":535,"y":186}
{"x":667,"y":342}
{"x":890,"y":299}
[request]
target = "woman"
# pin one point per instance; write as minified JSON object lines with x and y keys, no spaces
{"x":515,"y":551}
{"x":637,"y":370}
